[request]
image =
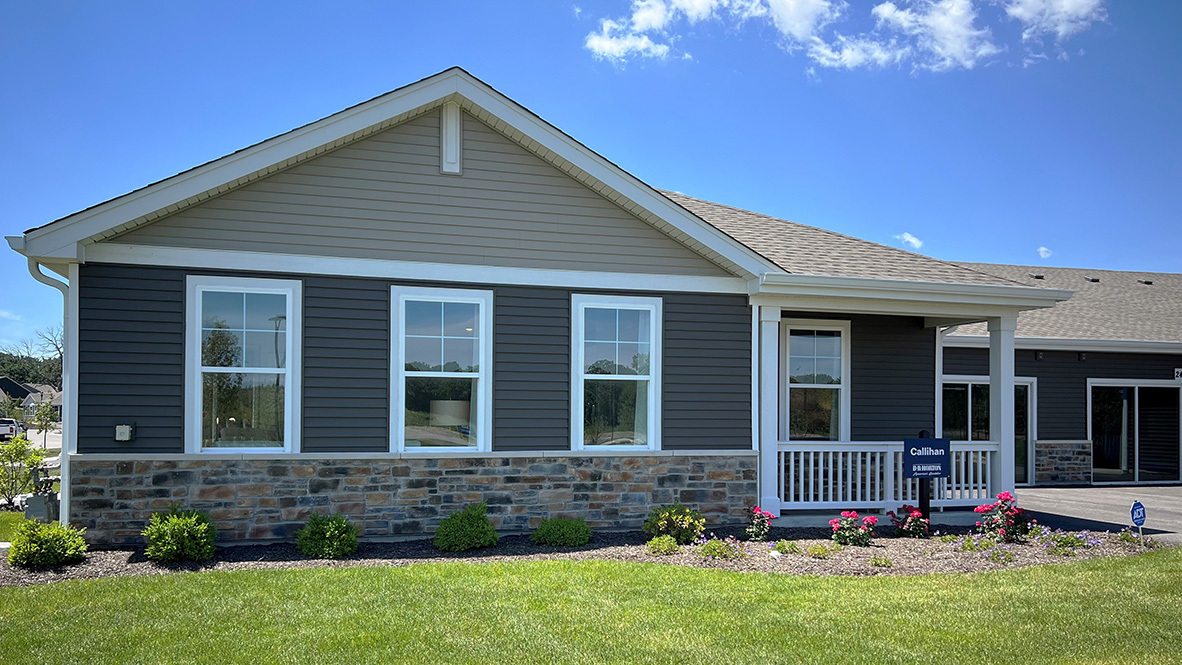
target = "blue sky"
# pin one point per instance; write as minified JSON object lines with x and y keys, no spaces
{"x":984,"y":128}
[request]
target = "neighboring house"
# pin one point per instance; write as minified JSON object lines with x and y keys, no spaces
{"x":15,"y":389}
{"x":42,"y":393}
{"x":1099,"y":387}
{"x":435,"y":297}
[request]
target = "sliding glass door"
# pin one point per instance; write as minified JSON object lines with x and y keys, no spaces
{"x":966,"y":418}
{"x":1135,"y":433}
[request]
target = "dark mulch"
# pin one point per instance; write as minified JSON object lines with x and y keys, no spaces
{"x":907,"y":556}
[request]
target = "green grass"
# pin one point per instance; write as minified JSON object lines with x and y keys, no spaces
{"x":8,"y":521}
{"x":1113,"y":610}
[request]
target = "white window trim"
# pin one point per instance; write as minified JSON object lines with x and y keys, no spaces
{"x":399,"y":295}
{"x":1136,"y":385}
{"x":579,"y":303}
{"x":1031,"y":412}
{"x":293,"y":383}
{"x":842,"y":326}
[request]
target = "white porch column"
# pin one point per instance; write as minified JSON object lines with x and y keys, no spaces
{"x":769,"y":409}
{"x":1001,"y":400}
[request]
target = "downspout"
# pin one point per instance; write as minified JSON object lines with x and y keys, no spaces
{"x":67,"y":386}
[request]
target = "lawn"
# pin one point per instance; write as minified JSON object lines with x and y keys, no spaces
{"x":8,"y":522}
{"x":1102,"y":610}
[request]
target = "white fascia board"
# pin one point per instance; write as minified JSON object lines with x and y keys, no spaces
{"x":107,"y":252}
{"x":976,"y":296}
{"x":1063,"y":344}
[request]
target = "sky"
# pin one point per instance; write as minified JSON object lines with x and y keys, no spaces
{"x":1039,"y":132}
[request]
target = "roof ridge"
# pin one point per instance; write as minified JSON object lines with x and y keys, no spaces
{"x":843,"y":235}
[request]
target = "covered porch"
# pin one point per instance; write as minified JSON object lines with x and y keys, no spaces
{"x":824,"y":448}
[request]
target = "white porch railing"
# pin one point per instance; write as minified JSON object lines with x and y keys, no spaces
{"x":870,"y":475}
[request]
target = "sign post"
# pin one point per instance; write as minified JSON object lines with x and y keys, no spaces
{"x":1137,"y":512}
{"x":926,"y":458}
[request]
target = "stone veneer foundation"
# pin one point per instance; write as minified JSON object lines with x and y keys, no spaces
{"x":268,"y":499}
{"x":1062,"y":463}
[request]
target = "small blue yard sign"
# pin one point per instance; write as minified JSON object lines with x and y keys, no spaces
{"x":926,"y":458}
{"x":1138,"y":514}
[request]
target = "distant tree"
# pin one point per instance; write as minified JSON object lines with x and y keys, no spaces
{"x":10,"y":407}
{"x":44,"y":418}
{"x":35,"y":362}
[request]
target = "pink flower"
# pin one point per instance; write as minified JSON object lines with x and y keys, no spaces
{"x":871,"y":520}
{"x":1005,"y":496}
{"x":916,"y":513}
{"x":834,"y":522}
{"x":848,"y":513}
{"x":755,"y":510}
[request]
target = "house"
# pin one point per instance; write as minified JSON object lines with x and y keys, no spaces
{"x":41,"y":393}
{"x":1098,"y":378}
{"x":436,"y":297}
{"x":14,"y":389}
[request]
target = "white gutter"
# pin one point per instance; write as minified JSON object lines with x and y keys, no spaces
{"x":1022,"y":297}
{"x":69,"y":343}
{"x":1063,"y":344}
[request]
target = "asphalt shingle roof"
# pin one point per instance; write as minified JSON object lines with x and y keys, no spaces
{"x":809,"y":250}
{"x":1117,"y":307}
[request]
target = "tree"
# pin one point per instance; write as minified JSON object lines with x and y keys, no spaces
{"x":44,"y":418}
{"x":10,"y":408}
{"x":18,"y":458}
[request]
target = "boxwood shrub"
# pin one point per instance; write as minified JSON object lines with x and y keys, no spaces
{"x":468,"y":529}
{"x":327,"y":537}
{"x":562,"y":532}
{"x":180,"y":535}
{"x":53,"y":544}
{"x":684,"y":524}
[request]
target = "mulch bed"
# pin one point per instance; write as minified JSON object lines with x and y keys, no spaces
{"x":908,"y":556}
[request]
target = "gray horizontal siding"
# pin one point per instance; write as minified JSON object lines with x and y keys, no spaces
{"x":132,"y":364}
{"x":383,"y":197}
{"x":1062,"y":380}
{"x":131,"y":355}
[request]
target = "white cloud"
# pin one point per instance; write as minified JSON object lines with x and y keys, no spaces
{"x":1061,"y":18}
{"x":1044,"y":253}
{"x":9,"y":316}
{"x":930,"y":35}
{"x":909,"y":240}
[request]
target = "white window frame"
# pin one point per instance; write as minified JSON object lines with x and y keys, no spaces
{"x":399,"y":296}
{"x":1031,"y":413}
{"x":1136,"y":385}
{"x":654,"y":305}
{"x":841,"y":326}
{"x":293,"y":383}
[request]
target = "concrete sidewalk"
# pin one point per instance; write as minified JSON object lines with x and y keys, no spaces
{"x":1107,"y":508}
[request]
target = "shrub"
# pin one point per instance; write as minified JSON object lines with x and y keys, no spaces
{"x":784,"y":547}
{"x":880,"y":562}
{"x":662,"y":546}
{"x":179,"y":535}
{"x":36,"y":544}
{"x":730,"y":548}
{"x":18,"y":458}
{"x":683,"y":524}
{"x":1003,"y":520}
{"x":562,"y":532}
{"x":822,"y":551}
{"x":468,"y":529}
{"x":910,"y":523}
{"x":327,"y":537}
{"x":758,"y":524}
{"x":849,"y":529}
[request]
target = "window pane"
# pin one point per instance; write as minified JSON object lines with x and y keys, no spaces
{"x":266,"y":311}
{"x":828,"y":343}
{"x":599,"y":357}
{"x":1113,"y":433}
{"x":615,"y":413}
{"x":956,"y":411}
{"x":265,"y":349}
{"x":634,"y":325}
{"x":221,"y":309}
{"x":980,"y":404}
{"x":828,"y":370}
{"x":802,"y":343}
{"x":599,"y":324}
{"x":242,"y":410}
{"x":802,"y":370}
{"x":424,"y":318}
{"x":633,"y":358}
{"x":459,"y":319}
{"x":221,"y":348}
{"x":424,"y":354}
{"x":460,"y":355}
{"x":440,"y":412}
{"x":1158,"y":442}
{"x":814,"y":414}
{"x":1021,"y":433}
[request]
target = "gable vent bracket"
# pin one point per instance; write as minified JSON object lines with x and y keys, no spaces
{"x":450,"y":138}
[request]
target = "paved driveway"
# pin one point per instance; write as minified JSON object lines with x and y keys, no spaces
{"x":1107,"y":508}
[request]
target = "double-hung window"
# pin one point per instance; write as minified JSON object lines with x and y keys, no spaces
{"x":441,"y":397}
{"x":616,"y":372}
{"x":816,"y":380}
{"x":243,"y":364}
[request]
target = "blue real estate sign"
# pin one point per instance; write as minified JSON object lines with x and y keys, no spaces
{"x":1138,"y":514}
{"x":927,"y":458}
